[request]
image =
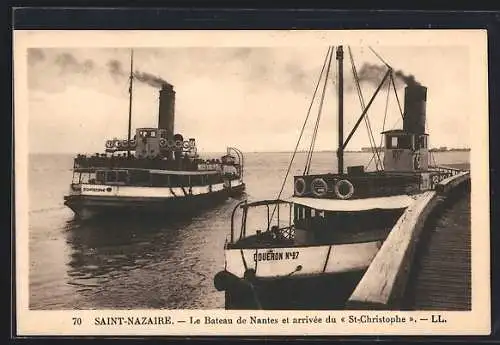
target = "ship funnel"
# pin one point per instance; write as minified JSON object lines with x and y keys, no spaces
{"x":166,"y":114}
{"x":414,"y":111}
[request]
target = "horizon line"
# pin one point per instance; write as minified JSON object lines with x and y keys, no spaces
{"x":439,"y":149}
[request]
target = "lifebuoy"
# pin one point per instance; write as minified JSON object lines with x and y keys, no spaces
{"x":319,"y":187}
{"x":124,"y":143}
{"x":185,"y":145}
{"x":416,"y":162}
{"x":163,"y":142}
{"x":118,"y":144}
{"x":109,"y":144}
{"x":344,"y":183}
{"x":300,"y":186}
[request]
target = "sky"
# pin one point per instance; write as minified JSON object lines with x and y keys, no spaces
{"x":253,"y":98}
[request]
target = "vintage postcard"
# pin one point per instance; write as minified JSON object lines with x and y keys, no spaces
{"x":251,"y":183}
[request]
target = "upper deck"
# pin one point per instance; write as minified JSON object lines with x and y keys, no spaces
{"x":86,"y":163}
{"x":358,"y":184}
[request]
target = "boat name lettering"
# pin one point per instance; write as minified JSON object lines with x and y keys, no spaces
{"x":93,"y":189}
{"x":273,"y":256}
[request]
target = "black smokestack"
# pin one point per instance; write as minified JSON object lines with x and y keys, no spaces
{"x":415,"y":109}
{"x":166,"y":114}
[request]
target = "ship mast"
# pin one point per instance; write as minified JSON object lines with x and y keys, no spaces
{"x":340,"y":149}
{"x":131,"y":80}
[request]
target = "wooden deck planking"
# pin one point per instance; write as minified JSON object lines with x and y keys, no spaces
{"x":441,"y":276}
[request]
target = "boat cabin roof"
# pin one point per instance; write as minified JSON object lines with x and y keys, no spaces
{"x":148,"y":128}
{"x":386,"y":202}
{"x":264,"y":202}
{"x":401,"y":132}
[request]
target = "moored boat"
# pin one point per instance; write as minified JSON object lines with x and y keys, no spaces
{"x":309,"y":251}
{"x":155,"y":171}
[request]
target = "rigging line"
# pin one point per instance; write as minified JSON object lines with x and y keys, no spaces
{"x":362,"y":101}
{"x":373,"y":144}
{"x":302,"y":130}
{"x":356,"y":125}
{"x":386,"y":108}
{"x":312,"y":101}
{"x":380,"y":58}
{"x":383,"y":124}
{"x":313,"y":141}
{"x":396,"y":93}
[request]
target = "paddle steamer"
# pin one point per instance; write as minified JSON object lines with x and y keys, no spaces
{"x":153,"y":171}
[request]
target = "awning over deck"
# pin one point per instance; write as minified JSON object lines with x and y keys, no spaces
{"x":388,"y":203}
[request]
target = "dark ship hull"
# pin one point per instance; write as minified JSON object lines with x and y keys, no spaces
{"x":86,"y":206}
{"x":318,"y":292}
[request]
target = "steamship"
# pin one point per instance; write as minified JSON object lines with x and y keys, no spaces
{"x":155,"y":171}
{"x":309,"y":251}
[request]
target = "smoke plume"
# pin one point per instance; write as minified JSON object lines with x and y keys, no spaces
{"x":374,"y":74}
{"x":69,"y":63}
{"x":150,"y":79}
{"x":116,"y":69}
{"x":35,"y":55}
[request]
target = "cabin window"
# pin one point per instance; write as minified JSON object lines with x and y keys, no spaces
{"x":159,"y":180}
{"x":404,"y":142}
{"x":140,"y":177}
{"x":214,"y":179}
{"x":197,"y":180}
{"x":399,"y":142}
{"x":117,"y":176}
{"x":394,"y":142}
{"x":391,"y":142}
{"x":76,"y":178}
{"x":152,"y":134}
{"x":421,"y":142}
{"x":100,"y":177}
{"x":92,"y":178}
{"x":122,"y":176}
{"x":111,"y":176}
{"x":87,"y":178}
{"x":175,"y":181}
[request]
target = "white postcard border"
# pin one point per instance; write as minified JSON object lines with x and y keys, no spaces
{"x":83,"y":322}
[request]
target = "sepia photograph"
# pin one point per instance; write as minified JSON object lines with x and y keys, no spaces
{"x":243,"y":179}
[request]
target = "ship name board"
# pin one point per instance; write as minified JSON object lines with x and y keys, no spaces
{"x":93,"y":189}
{"x":276,"y":256}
